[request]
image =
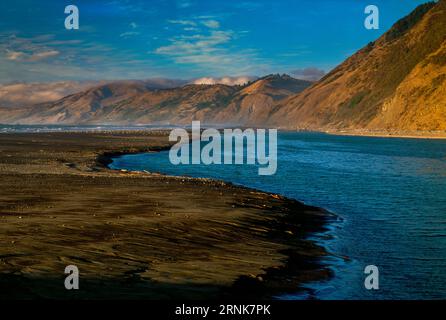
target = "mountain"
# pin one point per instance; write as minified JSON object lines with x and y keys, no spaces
{"x":25,"y":94}
{"x":395,"y":83}
{"x":139,"y":102}
{"x":253,"y":104}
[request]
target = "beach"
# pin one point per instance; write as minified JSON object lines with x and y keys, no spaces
{"x":390,"y":134}
{"x":140,"y":235}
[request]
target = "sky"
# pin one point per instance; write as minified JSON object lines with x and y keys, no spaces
{"x":184,"y":39}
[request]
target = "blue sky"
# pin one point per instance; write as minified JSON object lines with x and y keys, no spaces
{"x":183,"y":39}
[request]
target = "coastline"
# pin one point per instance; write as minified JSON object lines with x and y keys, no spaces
{"x":389,"y":134}
{"x":143,"y":235}
{"x":434,"y":135}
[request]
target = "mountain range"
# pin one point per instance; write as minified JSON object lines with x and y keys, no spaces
{"x":139,"y":102}
{"x":397,"y":82}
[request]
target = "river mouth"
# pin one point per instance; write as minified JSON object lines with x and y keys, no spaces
{"x":390,"y":195}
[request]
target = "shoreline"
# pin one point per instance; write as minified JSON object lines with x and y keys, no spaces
{"x":409,"y":134}
{"x":208,"y":239}
{"x":386,"y":134}
{"x":245,"y":284}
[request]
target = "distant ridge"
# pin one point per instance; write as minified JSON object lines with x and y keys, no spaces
{"x":143,"y":102}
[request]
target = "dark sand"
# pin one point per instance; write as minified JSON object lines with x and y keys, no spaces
{"x":139,"y":235}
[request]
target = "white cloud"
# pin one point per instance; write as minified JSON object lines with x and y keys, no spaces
{"x":14,"y":55}
{"x":183,"y":22}
{"x":199,"y":44}
{"x":211,"y":50}
{"x":30,"y":57}
{"x":132,"y":32}
{"x":43,"y":55}
{"x":213,"y":24}
{"x":230,"y":81}
{"x":184,"y":4}
{"x":27,"y":49}
{"x":128,"y":34}
{"x":47,"y":58}
{"x":310,"y":74}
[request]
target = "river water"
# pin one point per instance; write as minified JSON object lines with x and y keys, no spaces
{"x":390,"y":196}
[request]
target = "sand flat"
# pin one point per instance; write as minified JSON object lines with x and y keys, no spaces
{"x":141,"y":235}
